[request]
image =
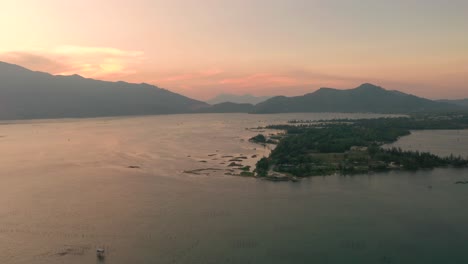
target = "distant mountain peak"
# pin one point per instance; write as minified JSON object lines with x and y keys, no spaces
{"x":326,"y":89}
{"x":363,"y":87}
{"x":369,"y":87}
{"x":239,"y":99}
{"x":9,"y":66}
{"x":77,"y":76}
{"x":362,"y":99}
{"x":25,"y":94}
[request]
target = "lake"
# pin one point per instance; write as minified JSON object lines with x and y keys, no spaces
{"x":66,"y":188}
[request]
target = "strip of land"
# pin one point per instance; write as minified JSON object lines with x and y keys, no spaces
{"x":325,"y":147}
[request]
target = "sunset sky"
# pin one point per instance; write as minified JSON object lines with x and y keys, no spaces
{"x":201,"y":48}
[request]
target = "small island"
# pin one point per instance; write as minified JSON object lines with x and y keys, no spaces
{"x":325,"y":147}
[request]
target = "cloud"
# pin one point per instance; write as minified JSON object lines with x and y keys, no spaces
{"x":211,"y":72}
{"x":180,"y":77}
{"x":206,"y":83}
{"x":94,"y":62}
{"x":83,"y":50}
{"x":261,"y":79}
{"x":33,"y":61}
{"x":202,"y":74}
{"x":109,"y":63}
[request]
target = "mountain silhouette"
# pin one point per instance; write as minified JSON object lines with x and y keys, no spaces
{"x":365,"y":98}
{"x":238,"y":99}
{"x":227,"y":107}
{"x":25,"y":94}
{"x":460,"y":102}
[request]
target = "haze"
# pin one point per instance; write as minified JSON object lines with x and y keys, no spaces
{"x":262,"y":47}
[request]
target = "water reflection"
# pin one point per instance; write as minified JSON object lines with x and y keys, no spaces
{"x":66,"y":189}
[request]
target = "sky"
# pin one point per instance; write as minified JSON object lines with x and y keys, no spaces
{"x":201,"y":48}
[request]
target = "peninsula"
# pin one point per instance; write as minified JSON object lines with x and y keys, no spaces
{"x":312,"y":148}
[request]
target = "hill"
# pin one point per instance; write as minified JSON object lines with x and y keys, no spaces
{"x":239,"y":99}
{"x":460,"y":102}
{"x":26,"y":94}
{"x":365,"y":98}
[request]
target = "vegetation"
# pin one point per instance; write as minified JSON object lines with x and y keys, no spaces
{"x":259,"y":139}
{"x":415,"y":122}
{"x":247,"y":174}
{"x":355,"y":146}
{"x":245,"y":168}
{"x":262,"y":167}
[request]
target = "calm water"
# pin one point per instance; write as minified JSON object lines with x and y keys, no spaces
{"x":65,"y":189}
{"x":440,"y":142}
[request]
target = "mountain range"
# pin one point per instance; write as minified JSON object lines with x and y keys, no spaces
{"x":239,"y":99}
{"x":25,"y":94}
{"x":227,"y":107}
{"x":460,"y":102}
{"x":365,"y":98}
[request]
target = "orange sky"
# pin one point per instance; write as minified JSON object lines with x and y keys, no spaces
{"x":264,"y":47}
